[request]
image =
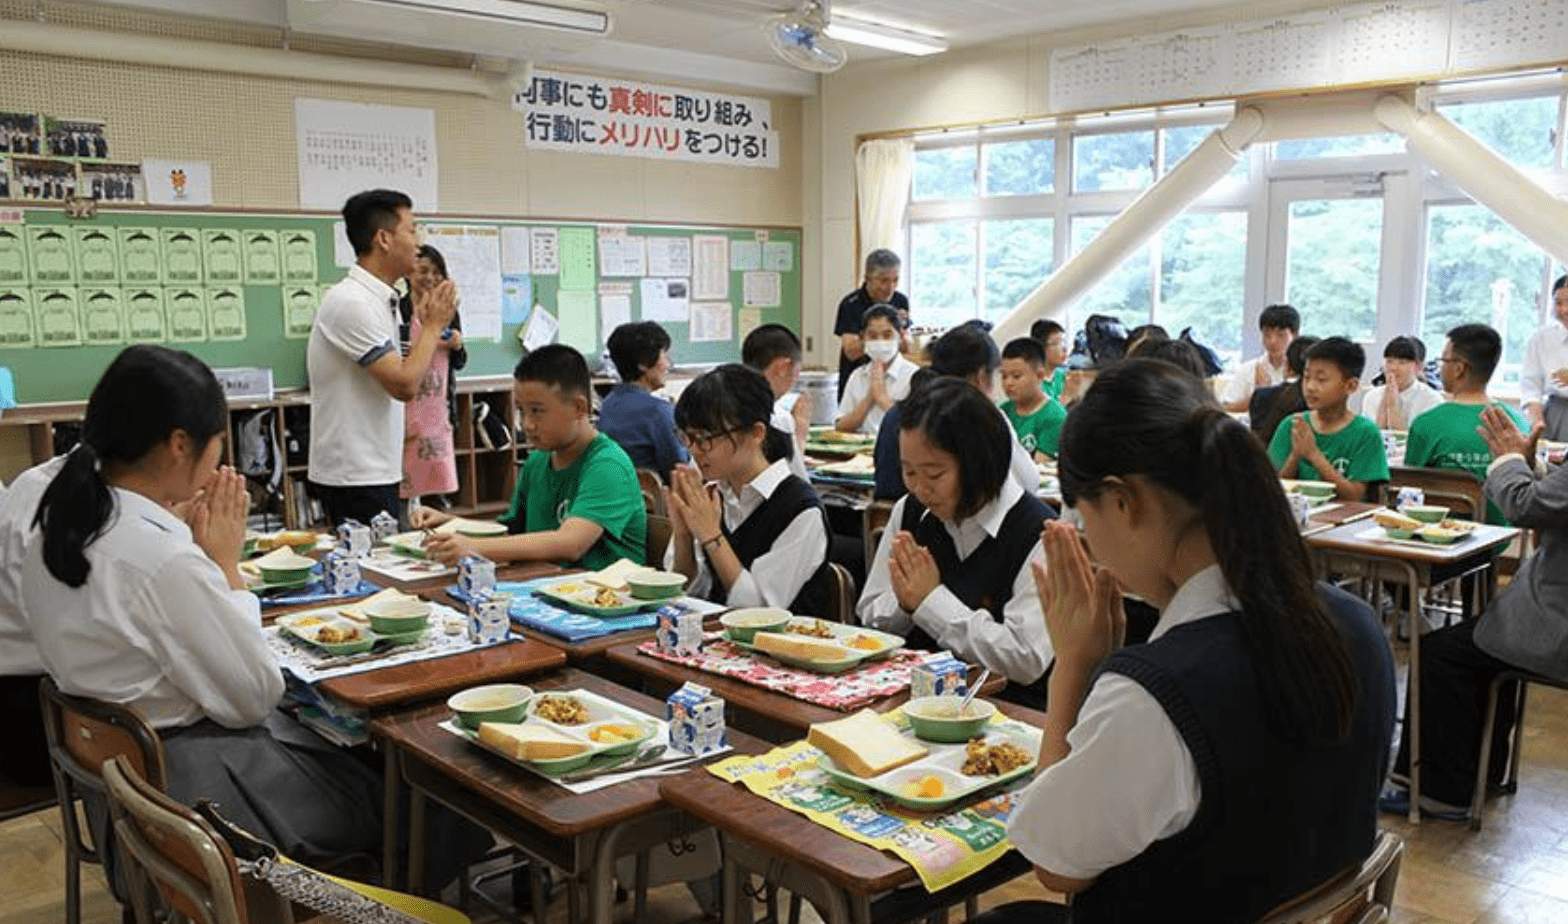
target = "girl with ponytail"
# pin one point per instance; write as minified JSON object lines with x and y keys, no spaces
{"x":759,"y":536}
{"x":1251,"y":733}
{"x":132,"y":589}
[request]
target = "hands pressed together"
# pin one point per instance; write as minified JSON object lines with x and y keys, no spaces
{"x":1082,"y":602}
{"x":912,"y":570}
{"x":694,"y":506}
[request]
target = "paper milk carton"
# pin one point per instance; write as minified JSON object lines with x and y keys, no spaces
{"x":680,"y":629}
{"x":696,"y":719}
{"x":475,"y":573}
{"x":489,"y":617}
{"x":382,"y":525}
{"x":354,"y":538}
{"x":940,"y":674}
{"x":339,"y":573}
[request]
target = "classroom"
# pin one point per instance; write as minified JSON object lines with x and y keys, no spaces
{"x":681,"y":460}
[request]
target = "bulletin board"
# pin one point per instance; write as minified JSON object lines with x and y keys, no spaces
{"x":239,"y":288}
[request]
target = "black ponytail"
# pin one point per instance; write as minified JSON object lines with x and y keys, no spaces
{"x":146,"y":394}
{"x":1147,"y":417}
{"x":731,"y":398}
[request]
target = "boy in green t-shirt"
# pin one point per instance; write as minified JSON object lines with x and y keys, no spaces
{"x":577,"y":501}
{"x":1036,"y":417}
{"x":1327,"y":442}
{"x":1052,"y":338}
{"x":1447,"y":436}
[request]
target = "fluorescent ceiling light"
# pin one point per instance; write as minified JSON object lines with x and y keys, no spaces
{"x":512,"y":12}
{"x":878,"y":35}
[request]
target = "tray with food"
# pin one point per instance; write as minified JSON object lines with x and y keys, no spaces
{"x":581,"y":595}
{"x":466,"y":527}
{"x":566,"y":731}
{"x":329,"y":630}
{"x":804,"y":642}
{"x":302,"y":541}
{"x":868,"y":751}
{"x":411,"y":543}
{"x":281,"y":567}
{"x":1318,"y":492}
{"x":1397,"y":527}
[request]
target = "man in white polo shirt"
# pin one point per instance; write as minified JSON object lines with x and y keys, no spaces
{"x":358,"y":378}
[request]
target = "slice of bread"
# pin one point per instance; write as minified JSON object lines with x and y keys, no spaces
{"x":865,"y":744}
{"x":530,"y":741}
{"x":804,"y":647}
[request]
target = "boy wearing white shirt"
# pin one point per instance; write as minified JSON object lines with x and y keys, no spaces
{"x":1543,"y":377}
{"x":774,"y":351}
{"x":1403,"y":396}
{"x":881,"y":383}
{"x":1279,"y":324}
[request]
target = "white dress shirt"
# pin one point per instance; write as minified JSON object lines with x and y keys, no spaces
{"x":1413,"y":402}
{"x":1243,"y":382}
{"x":859,"y":385}
{"x":1016,"y":647}
{"x":18,"y":654}
{"x":155,"y":626}
{"x":775,"y":577}
{"x":356,"y":428}
{"x":783,"y":419}
{"x":1129,"y":779}
{"x":1544,"y":353}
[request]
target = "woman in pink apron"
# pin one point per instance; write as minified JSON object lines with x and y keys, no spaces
{"x":429,"y":463}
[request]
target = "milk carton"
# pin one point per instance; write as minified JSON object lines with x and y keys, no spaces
{"x":1410,"y":497}
{"x":940,"y":674}
{"x":489,"y":617}
{"x":382,"y":525}
{"x":354,"y":538}
{"x":475,"y":573}
{"x":680,"y":629}
{"x":1300,"y":508}
{"x":696,"y":719}
{"x":339,"y":573}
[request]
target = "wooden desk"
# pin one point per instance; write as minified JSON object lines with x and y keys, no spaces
{"x":580,"y":834}
{"x":417,"y":681}
{"x":1342,"y":550}
{"x":838,"y":875}
{"x":795,"y":716}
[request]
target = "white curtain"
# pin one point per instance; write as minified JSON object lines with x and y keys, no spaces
{"x":883,"y":170}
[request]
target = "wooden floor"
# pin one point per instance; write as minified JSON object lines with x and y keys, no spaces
{"x":1513,"y":871}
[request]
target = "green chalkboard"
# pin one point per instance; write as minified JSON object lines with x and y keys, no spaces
{"x":208,"y":262}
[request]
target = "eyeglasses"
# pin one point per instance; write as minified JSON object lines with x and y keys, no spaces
{"x":703,"y":442}
{"x":1449,"y":359}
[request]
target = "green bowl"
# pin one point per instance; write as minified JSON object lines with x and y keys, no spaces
{"x":932,"y":718}
{"x":1399,"y":533}
{"x":657,"y":585}
{"x":495,"y":702}
{"x":1426,"y":514}
{"x":400,"y":618}
{"x":365,"y":642}
{"x":1315,"y":489}
{"x":402,"y":638}
{"x":286,"y":575}
{"x":744,"y":624}
{"x":1440,"y":536}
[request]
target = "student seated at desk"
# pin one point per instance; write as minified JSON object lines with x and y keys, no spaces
{"x":1404,"y":394}
{"x":875,"y":386}
{"x":1447,"y":435}
{"x":1035,"y":416}
{"x":639,"y":421}
{"x":1273,"y":403}
{"x":577,"y":501}
{"x":1327,"y":442}
{"x":1052,"y":338}
{"x":760,"y":539}
{"x":1248,"y":739}
{"x":774,"y":351}
{"x":952,"y":570}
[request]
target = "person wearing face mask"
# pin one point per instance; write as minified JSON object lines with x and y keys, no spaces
{"x":878,"y":385}
{"x":880,"y":288}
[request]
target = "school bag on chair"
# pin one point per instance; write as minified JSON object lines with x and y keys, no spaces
{"x":1211,"y":360}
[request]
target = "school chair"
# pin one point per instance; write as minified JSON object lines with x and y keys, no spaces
{"x":841,"y":594}
{"x":1363,"y":895}
{"x":1456,"y":489}
{"x":83,"y":734}
{"x":873,"y":523}
{"x":1510,"y":781}
{"x":193,"y":870}
{"x":659,"y":532}
{"x":652,"y":489}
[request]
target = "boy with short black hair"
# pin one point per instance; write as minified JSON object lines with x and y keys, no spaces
{"x":1404,"y":394}
{"x":1278,"y":325}
{"x":577,"y":501}
{"x":879,"y":384}
{"x":1036,"y":417}
{"x":631,"y":414}
{"x":1328,"y":442}
{"x":1052,"y":338}
{"x":774,"y":351}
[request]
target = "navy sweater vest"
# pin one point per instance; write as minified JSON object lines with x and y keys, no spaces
{"x":755,"y":537}
{"x":1276,"y":819}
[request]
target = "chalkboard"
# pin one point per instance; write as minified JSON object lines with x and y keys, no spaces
{"x":96,"y":271}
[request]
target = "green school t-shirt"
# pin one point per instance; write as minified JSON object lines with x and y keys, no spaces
{"x":1053,"y":386}
{"x":1040,"y":431}
{"x":601,"y":486}
{"x":1356,"y":451}
{"x":1445,"y":437}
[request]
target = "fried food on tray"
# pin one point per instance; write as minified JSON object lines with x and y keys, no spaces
{"x":336,"y":635}
{"x":815,"y":628}
{"x":981,"y":759}
{"x":562,"y":710}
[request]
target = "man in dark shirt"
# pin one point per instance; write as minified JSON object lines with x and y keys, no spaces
{"x":880,"y":287}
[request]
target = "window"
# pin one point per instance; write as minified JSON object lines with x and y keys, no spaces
{"x":1017,"y":259}
{"x":942,"y":273}
{"x":1019,"y":168}
{"x":1203,"y":263}
{"x":1521,"y":130}
{"x":1342,"y":146}
{"x":1127,"y":292}
{"x":945,"y":173}
{"x":1332,"y":260}
{"x":1181,"y":141}
{"x":1113,"y":161}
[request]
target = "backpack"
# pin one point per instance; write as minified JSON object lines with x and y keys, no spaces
{"x":1211,"y":360}
{"x":1102,"y":340}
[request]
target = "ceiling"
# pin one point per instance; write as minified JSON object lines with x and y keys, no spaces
{"x":721,"y":41}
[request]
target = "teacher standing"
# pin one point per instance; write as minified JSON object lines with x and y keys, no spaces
{"x":429,"y":459}
{"x":879,"y":288}
{"x":1543,"y":377}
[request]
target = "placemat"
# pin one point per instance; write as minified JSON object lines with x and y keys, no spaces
{"x":311,"y":664}
{"x":847,"y":691}
{"x":536,"y":613}
{"x":314,"y":592}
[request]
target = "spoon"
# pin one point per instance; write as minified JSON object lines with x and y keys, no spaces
{"x":973,"y":689}
{"x":622,"y":765}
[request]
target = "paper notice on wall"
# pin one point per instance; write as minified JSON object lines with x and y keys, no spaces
{"x":578,"y":313}
{"x":16,"y":318}
{"x":711,"y":321}
{"x":710,"y":266}
{"x":544,"y":251}
{"x":540,"y":329}
{"x":347,"y":148}
{"x":778,"y":256}
{"x":299,"y":310}
{"x":615,"y":307}
{"x":750,"y":319}
{"x":103,"y":315}
{"x":669,"y":256}
{"x":342,"y":249}
{"x":179,"y":182}
{"x":665,"y":300}
{"x":517,"y":295}
{"x":620,"y":254}
{"x":576,"y":250}
{"x":745,"y":256}
{"x":761,"y":290}
{"x":515,"y":258}
{"x":473,"y":262}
